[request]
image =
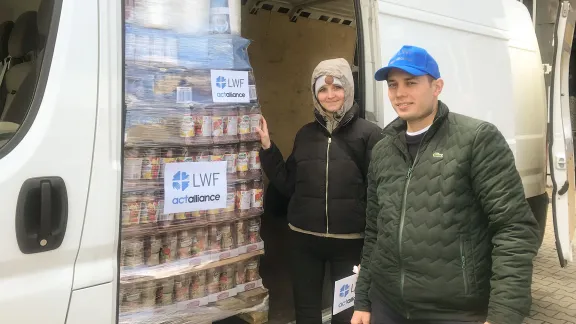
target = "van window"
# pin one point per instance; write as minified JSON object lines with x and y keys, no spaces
{"x":29,"y":44}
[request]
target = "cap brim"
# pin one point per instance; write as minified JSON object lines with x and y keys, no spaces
{"x":382,"y":74}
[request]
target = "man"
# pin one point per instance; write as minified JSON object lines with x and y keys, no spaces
{"x":450,"y":237}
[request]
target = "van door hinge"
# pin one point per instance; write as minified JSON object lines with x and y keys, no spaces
{"x":547,"y":68}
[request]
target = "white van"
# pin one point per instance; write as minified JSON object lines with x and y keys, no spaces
{"x":62,"y":120}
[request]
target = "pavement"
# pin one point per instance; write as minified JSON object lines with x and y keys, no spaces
{"x":553,"y":287}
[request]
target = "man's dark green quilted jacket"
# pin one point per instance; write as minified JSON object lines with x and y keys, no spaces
{"x":450,"y":237}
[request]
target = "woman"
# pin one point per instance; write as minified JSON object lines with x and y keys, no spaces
{"x":325,"y":178}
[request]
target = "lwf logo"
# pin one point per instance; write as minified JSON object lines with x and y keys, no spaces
{"x":181,"y":180}
{"x":344,"y":291}
{"x":221,"y":82}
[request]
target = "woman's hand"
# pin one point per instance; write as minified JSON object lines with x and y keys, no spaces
{"x":264,"y":135}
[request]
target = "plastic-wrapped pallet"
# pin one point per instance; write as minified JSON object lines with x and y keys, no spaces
{"x":188,"y":256}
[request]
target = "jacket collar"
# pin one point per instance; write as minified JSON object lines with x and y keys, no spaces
{"x":351,"y":115}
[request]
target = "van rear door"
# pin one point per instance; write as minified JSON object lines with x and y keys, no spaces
{"x":561,"y":145}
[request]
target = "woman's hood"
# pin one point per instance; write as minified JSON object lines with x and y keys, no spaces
{"x":338,"y":68}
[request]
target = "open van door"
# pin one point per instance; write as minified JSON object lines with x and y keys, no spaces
{"x":561,"y":145}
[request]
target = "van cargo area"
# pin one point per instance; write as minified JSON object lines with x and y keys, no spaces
{"x":287,"y":44}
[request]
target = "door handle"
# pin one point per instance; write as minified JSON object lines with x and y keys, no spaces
{"x":41,"y":214}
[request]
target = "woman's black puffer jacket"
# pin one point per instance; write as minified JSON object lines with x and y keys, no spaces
{"x":325,"y":174}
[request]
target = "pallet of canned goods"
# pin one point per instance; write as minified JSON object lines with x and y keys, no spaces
{"x":194,"y":294}
{"x":191,"y":106}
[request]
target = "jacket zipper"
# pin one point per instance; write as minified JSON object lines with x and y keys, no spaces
{"x":464,"y":273}
{"x":327,"y":162}
{"x":403,"y":215}
{"x":401,"y":231}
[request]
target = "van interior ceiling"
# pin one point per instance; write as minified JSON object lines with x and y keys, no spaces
{"x":288,"y":39}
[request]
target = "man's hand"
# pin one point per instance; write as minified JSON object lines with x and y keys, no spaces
{"x":360,"y":318}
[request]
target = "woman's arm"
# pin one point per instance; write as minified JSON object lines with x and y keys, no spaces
{"x":281,"y":174}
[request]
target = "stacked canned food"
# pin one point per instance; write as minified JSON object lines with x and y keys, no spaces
{"x":169,"y":247}
{"x":190,"y":96}
{"x":204,"y":284}
{"x":143,"y":210}
{"x":219,"y":125}
{"x":195,"y":126}
{"x":149,"y":163}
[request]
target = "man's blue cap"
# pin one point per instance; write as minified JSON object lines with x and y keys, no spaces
{"x":413,"y":60}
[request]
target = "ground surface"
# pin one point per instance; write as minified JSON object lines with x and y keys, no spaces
{"x":553,"y":287}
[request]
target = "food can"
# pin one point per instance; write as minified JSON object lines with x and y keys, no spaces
{"x":231,"y":122}
{"x":254,"y":231}
{"x":241,"y":233}
{"x":199,"y":241}
{"x":152,"y":250}
{"x":187,"y":127}
{"x":243,"y":161}
{"x":149,"y":208}
{"x":148,"y":294}
{"x":255,"y":122}
{"x":257,"y":199}
{"x":215,"y":239}
{"x":230,"y":200}
{"x":252,"y":271}
{"x":244,"y":123}
{"x":169,"y":248}
{"x":227,"y":277}
{"x":198,"y":285}
{"x":217,"y":124}
{"x":169,"y":155}
{"x":243,"y":198}
{"x":165,"y":293}
{"x":184,"y":244}
{"x":132,"y":164}
{"x":231,"y":157}
{"x":134,"y":255}
{"x":131,"y":208}
{"x":213,"y":280}
{"x":182,"y":288}
{"x":150,"y":163}
{"x":254,"y":158}
{"x":202,"y":125}
{"x":240,"y":273}
{"x":227,"y":239}
{"x":132,"y":296}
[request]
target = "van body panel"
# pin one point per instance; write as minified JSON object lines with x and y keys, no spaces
{"x":530,"y":103}
{"x":36,"y":287}
{"x":489,"y":58}
{"x":94,"y":305}
{"x":97,"y":261}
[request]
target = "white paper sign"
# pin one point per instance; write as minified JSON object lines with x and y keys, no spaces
{"x":230,"y":86}
{"x":192,"y":186}
{"x":344,"y":294}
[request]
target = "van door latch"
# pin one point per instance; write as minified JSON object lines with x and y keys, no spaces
{"x":41,"y":214}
